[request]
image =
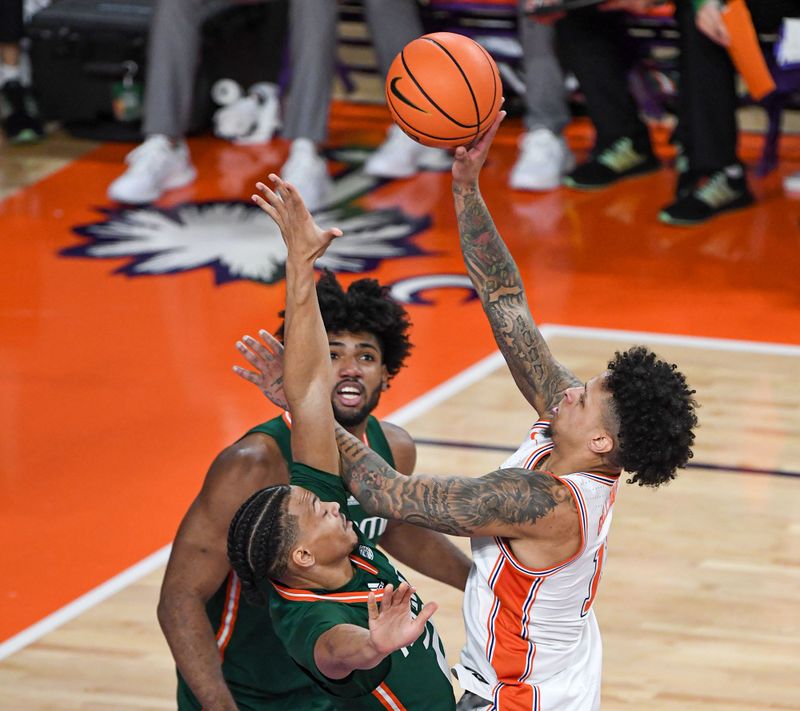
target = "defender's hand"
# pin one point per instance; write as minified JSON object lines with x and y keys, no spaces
{"x":303,"y":237}
{"x":268,"y":362}
{"x":394,"y":627}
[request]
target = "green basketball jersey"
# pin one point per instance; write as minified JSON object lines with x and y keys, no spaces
{"x":415,"y":677}
{"x":259,"y":672}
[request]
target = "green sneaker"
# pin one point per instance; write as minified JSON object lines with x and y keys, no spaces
{"x":617,"y":162}
{"x":720,"y":192}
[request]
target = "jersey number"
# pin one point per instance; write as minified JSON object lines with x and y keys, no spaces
{"x":594,"y":583}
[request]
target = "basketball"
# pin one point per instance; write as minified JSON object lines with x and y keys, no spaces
{"x":443,"y":90}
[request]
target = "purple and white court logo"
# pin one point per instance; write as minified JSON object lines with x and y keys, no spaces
{"x":239,"y":241}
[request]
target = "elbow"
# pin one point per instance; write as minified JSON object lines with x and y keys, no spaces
{"x":164,"y":611}
{"x":171,"y":609}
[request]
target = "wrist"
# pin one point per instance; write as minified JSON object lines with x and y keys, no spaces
{"x":465,"y":187}
{"x":300,"y":262}
{"x":375,"y":652}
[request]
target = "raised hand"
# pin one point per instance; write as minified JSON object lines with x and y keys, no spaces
{"x":303,"y":237}
{"x":469,"y":161}
{"x":268,"y":362}
{"x":393,"y":626}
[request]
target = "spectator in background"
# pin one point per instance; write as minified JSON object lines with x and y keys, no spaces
{"x":711,"y":179}
{"x":592,"y":41}
{"x":18,"y":110}
{"x":163,"y":162}
{"x":544,"y":156}
{"x":392,"y":25}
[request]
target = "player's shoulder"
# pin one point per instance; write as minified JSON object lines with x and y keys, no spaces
{"x":402,"y":445}
{"x":256,"y":458}
{"x":394,"y":433}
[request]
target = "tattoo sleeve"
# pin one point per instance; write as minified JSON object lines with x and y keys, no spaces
{"x":539,"y":376}
{"x":503,"y":503}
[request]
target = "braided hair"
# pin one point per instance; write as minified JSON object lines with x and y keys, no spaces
{"x":259,"y":539}
{"x":365,"y":307}
{"x":655,"y":410}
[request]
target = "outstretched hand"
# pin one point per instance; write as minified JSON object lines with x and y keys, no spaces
{"x":268,"y":362}
{"x":469,"y":161}
{"x":303,"y":237}
{"x":393,"y":626}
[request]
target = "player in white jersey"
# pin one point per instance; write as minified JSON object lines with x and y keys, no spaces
{"x":539,"y":524}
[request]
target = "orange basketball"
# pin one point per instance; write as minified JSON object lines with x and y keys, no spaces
{"x":443,"y":90}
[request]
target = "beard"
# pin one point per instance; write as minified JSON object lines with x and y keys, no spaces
{"x":351,"y":418}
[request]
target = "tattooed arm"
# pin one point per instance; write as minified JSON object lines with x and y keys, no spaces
{"x":514,"y":503}
{"x":539,"y":376}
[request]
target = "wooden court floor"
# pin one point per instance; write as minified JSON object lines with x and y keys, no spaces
{"x":116,"y":333}
{"x":698,"y":601}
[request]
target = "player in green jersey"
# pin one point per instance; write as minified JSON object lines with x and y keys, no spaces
{"x":226,"y":650}
{"x":295,"y":547}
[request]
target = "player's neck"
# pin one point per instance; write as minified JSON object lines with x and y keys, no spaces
{"x":358,"y":430}
{"x":328,"y":577}
{"x":563,"y":463}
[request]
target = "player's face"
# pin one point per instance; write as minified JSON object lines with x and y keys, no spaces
{"x":324,"y":529}
{"x":358,"y":375}
{"x":581,"y":413}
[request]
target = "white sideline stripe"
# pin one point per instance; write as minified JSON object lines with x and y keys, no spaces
{"x":405,"y":414}
{"x":84,"y":602}
{"x":718,"y":344}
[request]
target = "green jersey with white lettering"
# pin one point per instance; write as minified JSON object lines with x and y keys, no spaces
{"x":259,"y":672}
{"x":415,"y":677}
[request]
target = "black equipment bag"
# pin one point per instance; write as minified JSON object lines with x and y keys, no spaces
{"x":88,"y":59}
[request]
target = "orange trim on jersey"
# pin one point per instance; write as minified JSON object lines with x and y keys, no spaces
{"x":349,"y":598}
{"x":387,"y":698}
{"x":514,"y":697}
{"x":602,"y":478}
{"x":229,"y":613}
{"x":493,"y":611}
{"x":361,"y":563}
{"x":513,"y":653}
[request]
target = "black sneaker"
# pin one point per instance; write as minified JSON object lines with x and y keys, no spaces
{"x":686,"y":178}
{"x":19,"y":113}
{"x":617,"y":162}
{"x":720,"y":192}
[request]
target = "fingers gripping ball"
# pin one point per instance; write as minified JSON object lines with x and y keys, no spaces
{"x":443,"y":90}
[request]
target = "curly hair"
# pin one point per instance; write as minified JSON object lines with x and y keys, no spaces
{"x":365,"y":307}
{"x":655,"y":410}
{"x":259,"y":539}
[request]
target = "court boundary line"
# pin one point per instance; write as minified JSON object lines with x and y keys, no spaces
{"x":404,"y":414}
{"x":84,"y":603}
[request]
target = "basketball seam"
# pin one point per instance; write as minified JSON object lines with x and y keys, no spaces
{"x":466,"y":81}
{"x":414,"y":129}
{"x":490,"y":59}
{"x":433,"y":103}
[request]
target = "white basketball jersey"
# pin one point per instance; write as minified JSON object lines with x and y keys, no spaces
{"x":532,"y":639}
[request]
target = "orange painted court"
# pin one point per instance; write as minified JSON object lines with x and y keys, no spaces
{"x":117,"y":330}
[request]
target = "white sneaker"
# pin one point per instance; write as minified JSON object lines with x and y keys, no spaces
{"x":791,"y":183}
{"x":308,"y":172}
{"x":401,"y":157}
{"x":544,"y":159}
{"x":153,"y":168}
